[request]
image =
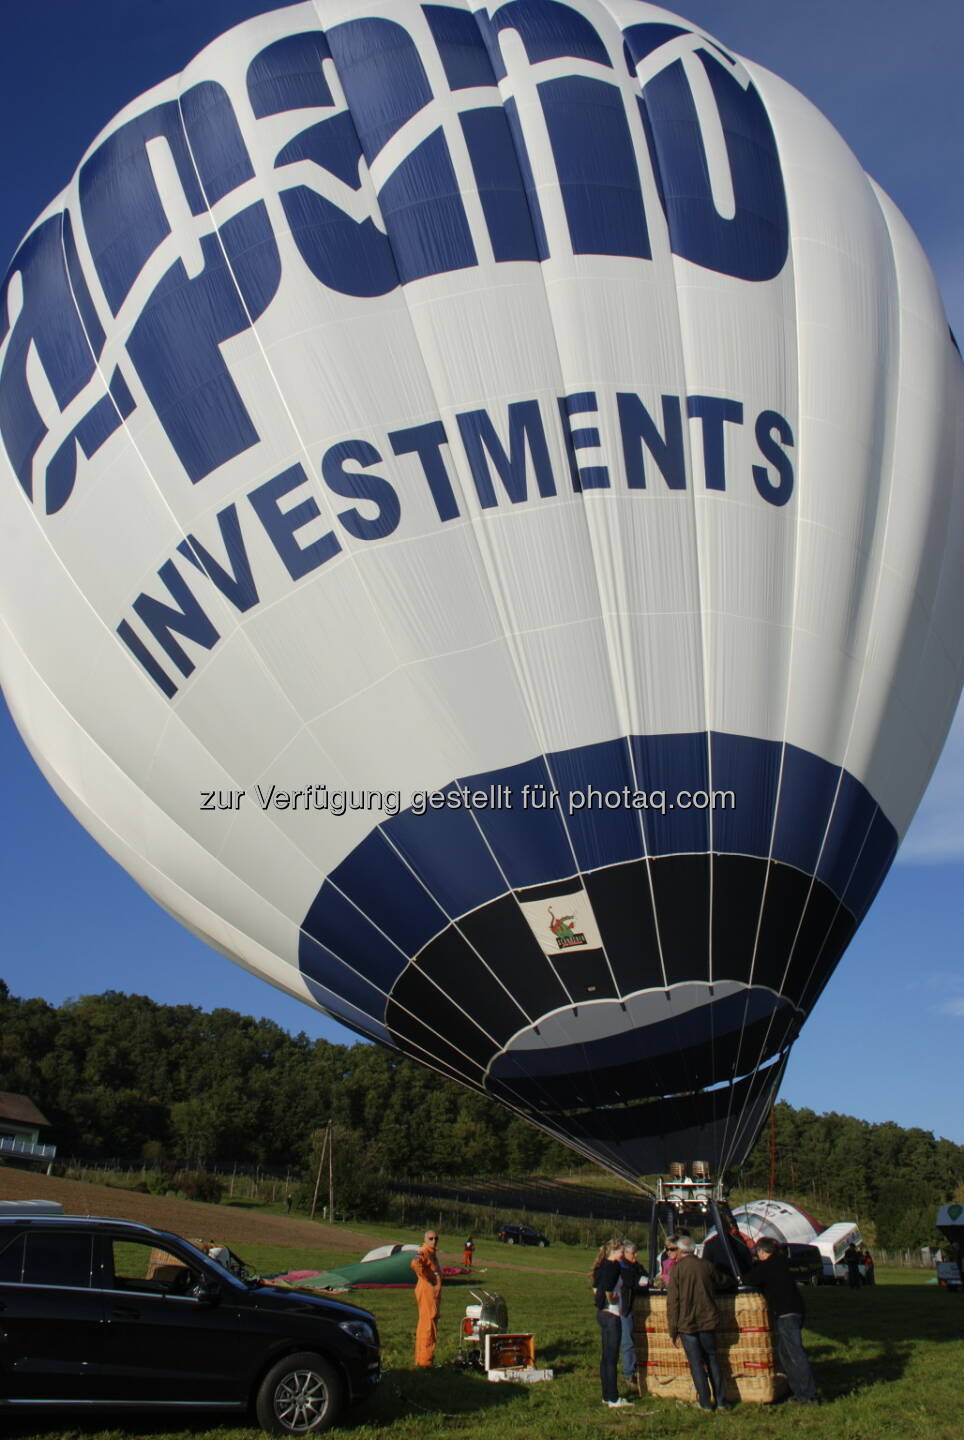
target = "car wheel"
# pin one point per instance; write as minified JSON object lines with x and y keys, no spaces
{"x":814,"y":1278}
{"x":542,"y":1244}
{"x":510,"y":1239}
{"x":301,"y":1395}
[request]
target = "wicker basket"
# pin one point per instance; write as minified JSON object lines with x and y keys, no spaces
{"x":744,"y":1345}
{"x":160,"y":1258}
{"x":755,"y":1389}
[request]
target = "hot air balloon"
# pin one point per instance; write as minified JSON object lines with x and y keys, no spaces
{"x":482,"y":539}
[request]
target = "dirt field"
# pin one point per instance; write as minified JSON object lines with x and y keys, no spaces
{"x":184,"y":1217}
{"x":234,"y":1227}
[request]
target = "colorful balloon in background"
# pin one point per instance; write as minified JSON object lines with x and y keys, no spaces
{"x":482,"y":538}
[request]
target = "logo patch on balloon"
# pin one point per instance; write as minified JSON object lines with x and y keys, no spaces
{"x":562,"y":919}
{"x":561,"y":927}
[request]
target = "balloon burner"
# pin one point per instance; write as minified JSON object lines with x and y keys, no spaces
{"x":690,"y":1186}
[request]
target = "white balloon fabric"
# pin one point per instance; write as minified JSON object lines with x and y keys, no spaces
{"x":482,"y":538}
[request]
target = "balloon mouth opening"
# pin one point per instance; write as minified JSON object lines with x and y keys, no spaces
{"x":650,"y":1026}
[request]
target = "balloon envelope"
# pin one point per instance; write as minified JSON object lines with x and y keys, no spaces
{"x":482,"y":539}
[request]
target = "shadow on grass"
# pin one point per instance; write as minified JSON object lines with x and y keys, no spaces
{"x":443,"y":1393}
{"x":885,"y":1315}
{"x":837,"y":1375}
{"x":561,"y":1358}
{"x":870,"y":1336}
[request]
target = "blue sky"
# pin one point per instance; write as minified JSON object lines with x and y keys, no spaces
{"x":884,"y":1039}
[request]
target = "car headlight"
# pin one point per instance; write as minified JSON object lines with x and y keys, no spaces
{"x":358,"y":1330}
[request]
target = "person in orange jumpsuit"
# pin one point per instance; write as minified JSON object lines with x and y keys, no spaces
{"x":467,"y":1251}
{"x":428,"y":1298}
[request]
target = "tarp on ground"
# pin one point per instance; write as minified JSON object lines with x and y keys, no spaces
{"x":391,"y":1270}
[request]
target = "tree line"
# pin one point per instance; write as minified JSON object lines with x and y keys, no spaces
{"x":122,"y":1077}
{"x":845,"y":1168}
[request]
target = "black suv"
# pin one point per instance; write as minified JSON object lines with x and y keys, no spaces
{"x":806,"y":1263}
{"x":106,"y":1312}
{"x":521,"y":1235}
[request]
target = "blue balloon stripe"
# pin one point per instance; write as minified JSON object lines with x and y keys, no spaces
{"x":807,"y":791}
{"x":606,"y":767}
{"x":448,"y":851}
{"x":664,"y":762}
{"x":752,"y":773}
{"x":386,"y":891}
{"x":355,"y":997}
{"x":849,"y":834}
{"x":529,"y":843}
{"x":345,"y":934}
{"x":873,"y":862}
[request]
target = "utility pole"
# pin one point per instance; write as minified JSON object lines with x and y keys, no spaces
{"x":331,"y":1174}
{"x":321,"y":1161}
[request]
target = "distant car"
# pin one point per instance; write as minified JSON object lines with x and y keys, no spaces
{"x":107,"y":1312}
{"x":806,"y":1264}
{"x":521,"y":1235}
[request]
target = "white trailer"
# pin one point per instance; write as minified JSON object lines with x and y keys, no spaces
{"x":832,"y":1243}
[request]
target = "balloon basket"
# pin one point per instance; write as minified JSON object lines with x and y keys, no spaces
{"x":747,"y":1389}
{"x":743,"y":1341}
{"x":161,"y":1260}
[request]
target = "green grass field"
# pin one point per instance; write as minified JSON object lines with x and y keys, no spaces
{"x":888,"y":1362}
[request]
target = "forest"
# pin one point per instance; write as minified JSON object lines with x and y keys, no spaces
{"x":123,"y":1078}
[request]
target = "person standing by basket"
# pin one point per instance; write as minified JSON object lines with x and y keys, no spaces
{"x":770,"y":1273}
{"x":634,"y":1278}
{"x":669,"y":1256}
{"x":428,"y":1298}
{"x":607,"y":1287}
{"x":692,"y":1317}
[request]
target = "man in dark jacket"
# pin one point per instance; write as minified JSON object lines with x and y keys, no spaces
{"x":693,"y":1316}
{"x":772,"y":1275}
{"x":853,"y":1259}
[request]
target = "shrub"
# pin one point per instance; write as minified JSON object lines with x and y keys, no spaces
{"x":199,"y":1185}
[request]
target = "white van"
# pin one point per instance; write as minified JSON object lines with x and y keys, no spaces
{"x":832,"y":1243}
